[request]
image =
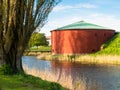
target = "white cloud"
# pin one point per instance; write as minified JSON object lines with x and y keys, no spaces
{"x":96,"y":18}
{"x":61,"y":7}
{"x":88,"y":5}
{"x":76,"y":6}
{"x":109,"y":21}
{"x":54,"y":24}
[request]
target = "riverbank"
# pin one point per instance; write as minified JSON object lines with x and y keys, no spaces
{"x":84,"y":59}
{"x":26,"y":82}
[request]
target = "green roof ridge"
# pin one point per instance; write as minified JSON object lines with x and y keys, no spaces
{"x":81,"y":25}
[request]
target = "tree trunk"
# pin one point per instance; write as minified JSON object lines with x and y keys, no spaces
{"x":13,"y":59}
{"x":18,"y":20}
{"x":11,"y":53}
{"x":1,"y":57}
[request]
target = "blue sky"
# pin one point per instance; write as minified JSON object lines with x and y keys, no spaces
{"x":101,"y":12}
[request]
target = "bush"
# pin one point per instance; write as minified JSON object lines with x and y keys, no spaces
{"x":6,"y":70}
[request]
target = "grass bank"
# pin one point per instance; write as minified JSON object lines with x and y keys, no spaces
{"x":34,"y":51}
{"x":40,"y":48}
{"x":111,"y":47}
{"x":110,"y":54}
{"x":26,"y":82}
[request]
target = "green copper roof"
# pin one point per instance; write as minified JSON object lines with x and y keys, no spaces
{"x":82,"y":25}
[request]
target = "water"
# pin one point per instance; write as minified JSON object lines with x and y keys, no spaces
{"x":75,"y":76}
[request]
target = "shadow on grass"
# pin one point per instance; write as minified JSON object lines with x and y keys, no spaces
{"x":110,"y":41}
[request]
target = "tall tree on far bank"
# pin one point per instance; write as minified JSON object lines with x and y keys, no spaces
{"x":38,"y":39}
{"x":18,"y":20}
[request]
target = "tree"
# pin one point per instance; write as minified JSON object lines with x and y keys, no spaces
{"x":18,"y":20}
{"x":38,"y":39}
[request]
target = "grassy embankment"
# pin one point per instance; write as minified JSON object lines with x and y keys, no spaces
{"x":40,"y":48}
{"x":34,"y":51}
{"x":25,"y":82}
{"x":111,"y":47}
{"x":109,"y":55}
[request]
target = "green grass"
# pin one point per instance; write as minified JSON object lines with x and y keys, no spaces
{"x":40,"y":48}
{"x":112,"y":47}
{"x":26,"y":82}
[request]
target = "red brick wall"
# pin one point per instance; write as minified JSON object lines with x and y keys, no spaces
{"x":78,"y":41}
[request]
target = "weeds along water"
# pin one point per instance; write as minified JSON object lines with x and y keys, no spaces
{"x":85,"y":59}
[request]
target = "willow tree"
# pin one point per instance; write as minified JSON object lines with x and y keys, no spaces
{"x":18,"y":20}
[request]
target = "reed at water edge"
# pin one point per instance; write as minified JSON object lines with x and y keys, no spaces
{"x":85,"y":59}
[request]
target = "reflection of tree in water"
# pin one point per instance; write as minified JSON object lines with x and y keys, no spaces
{"x":73,"y":76}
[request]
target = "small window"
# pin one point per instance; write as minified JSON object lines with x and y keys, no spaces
{"x":93,"y":50}
{"x":104,"y":34}
{"x":95,"y":34}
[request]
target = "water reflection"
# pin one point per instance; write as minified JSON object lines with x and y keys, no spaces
{"x":74,"y":76}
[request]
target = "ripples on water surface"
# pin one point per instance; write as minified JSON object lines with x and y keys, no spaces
{"x":74,"y":76}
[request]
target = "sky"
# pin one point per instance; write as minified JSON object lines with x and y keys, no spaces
{"x":101,"y":12}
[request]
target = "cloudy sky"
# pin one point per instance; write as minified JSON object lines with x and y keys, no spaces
{"x":101,"y":12}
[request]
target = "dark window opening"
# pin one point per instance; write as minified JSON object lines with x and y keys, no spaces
{"x":95,"y":34}
{"x":104,"y":34}
{"x":93,"y":50}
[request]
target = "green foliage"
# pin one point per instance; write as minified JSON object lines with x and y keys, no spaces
{"x":112,"y":47}
{"x":26,"y":82}
{"x":6,"y":70}
{"x":38,"y":39}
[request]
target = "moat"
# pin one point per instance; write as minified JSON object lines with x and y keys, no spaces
{"x":74,"y":75}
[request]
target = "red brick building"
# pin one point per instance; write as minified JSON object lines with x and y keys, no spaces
{"x":78,"y":38}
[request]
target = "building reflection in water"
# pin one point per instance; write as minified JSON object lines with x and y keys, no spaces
{"x":68,"y":74}
{"x":74,"y":76}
